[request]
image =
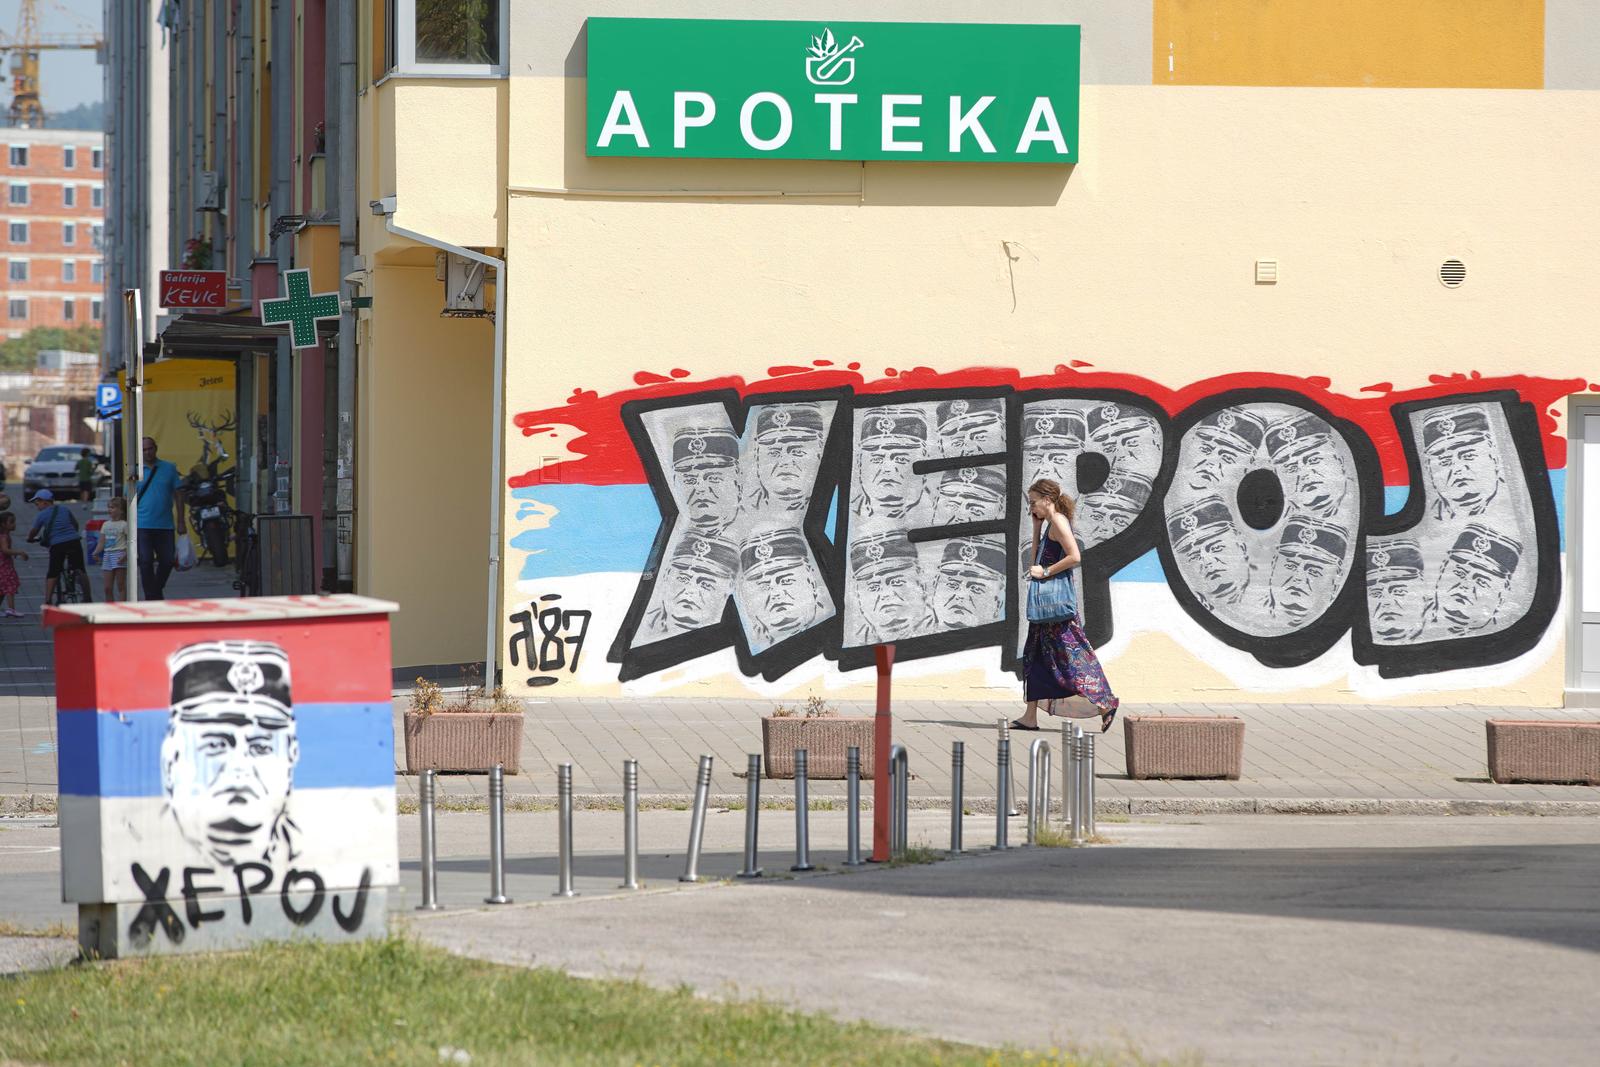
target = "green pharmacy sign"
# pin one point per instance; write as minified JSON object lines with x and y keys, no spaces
{"x":717,"y":89}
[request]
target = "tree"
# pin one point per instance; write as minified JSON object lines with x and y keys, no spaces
{"x":22,"y":353}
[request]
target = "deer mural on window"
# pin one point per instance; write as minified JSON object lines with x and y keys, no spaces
{"x":212,"y":451}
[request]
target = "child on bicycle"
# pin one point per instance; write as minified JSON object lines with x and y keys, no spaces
{"x":10,"y":583}
{"x":112,"y":551}
{"x":57,"y":529}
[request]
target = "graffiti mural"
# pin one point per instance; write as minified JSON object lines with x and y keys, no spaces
{"x":1421,"y":527}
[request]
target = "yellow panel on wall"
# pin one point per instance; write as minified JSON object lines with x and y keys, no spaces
{"x":1441,"y":44}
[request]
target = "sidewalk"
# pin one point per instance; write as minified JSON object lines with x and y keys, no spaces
{"x":1298,"y":758}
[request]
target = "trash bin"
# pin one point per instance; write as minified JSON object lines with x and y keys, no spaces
{"x":226,"y":771}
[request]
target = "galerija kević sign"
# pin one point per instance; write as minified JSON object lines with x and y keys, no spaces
{"x":714,"y":89}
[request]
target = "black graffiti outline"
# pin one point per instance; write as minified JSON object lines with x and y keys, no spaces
{"x":728,"y":631}
{"x":1507,"y":643}
{"x":558,"y":634}
{"x":156,"y":911}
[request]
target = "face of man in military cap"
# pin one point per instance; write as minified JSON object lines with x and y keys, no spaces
{"x":783,"y":595}
{"x":1127,"y":437}
{"x":1468,"y":595}
{"x":788,"y":447}
{"x":972,"y":427}
{"x":694,"y":594}
{"x":1464,"y":472}
{"x":1219,"y":564}
{"x":891,"y":598}
{"x":1222,"y":446}
{"x":886,"y":478}
{"x":1397,"y":602}
{"x":228,"y":757}
{"x":1318,"y":482}
{"x":966,"y":496}
{"x":1304,"y":583}
{"x":711,"y":492}
{"x":967,"y":596}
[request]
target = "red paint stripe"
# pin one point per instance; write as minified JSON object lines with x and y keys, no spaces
{"x":344,"y":659}
{"x":607,"y":457}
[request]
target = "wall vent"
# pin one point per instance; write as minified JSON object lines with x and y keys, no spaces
{"x":1266,"y":272}
{"x":1452,"y":272}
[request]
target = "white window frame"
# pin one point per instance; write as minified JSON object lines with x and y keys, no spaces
{"x":27,"y":197}
{"x":69,"y":157}
{"x":69,"y":195}
{"x":12,"y":303}
{"x":69,"y":311}
{"x":97,"y":196}
{"x":12,"y":237}
{"x":97,"y":159}
{"x":69,"y":233}
{"x":94,"y":311}
{"x":11,"y":270}
{"x":12,"y":150}
{"x":405,"y":47}
{"x":97,"y":273}
{"x":69,"y":270}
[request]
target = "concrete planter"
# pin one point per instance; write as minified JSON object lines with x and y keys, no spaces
{"x":1173,"y":746}
{"x":825,"y":741}
{"x":463,"y":741}
{"x":1554,"y":753}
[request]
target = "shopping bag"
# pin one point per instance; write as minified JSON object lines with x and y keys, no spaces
{"x":185,"y":557}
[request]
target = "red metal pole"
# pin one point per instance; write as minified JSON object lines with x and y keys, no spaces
{"x":882,"y":739}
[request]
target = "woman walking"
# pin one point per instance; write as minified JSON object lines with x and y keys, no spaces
{"x":1059,"y":660}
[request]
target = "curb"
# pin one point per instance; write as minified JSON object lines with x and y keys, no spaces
{"x":45,"y":804}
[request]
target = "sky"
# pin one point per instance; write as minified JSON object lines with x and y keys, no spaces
{"x":67,"y":78}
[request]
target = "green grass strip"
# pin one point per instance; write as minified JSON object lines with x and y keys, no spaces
{"x":396,"y":1001}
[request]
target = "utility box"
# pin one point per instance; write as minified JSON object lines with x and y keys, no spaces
{"x":226,"y":771}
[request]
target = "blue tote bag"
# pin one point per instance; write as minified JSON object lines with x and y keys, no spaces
{"x":1051,"y":599}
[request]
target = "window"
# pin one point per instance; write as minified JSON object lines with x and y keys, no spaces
{"x":19,"y":155}
{"x":18,"y":270}
{"x":19,"y":193}
{"x":69,"y":271}
{"x":96,"y":158}
{"x":68,"y":311}
{"x":94,"y":310}
{"x":69,"y":158}
{"x":451,"y":36}
{"x":97,"y":234}
{"x":69,"y":233}
{"x":97,"y":197}
{"x":97,"y":272}
{"x":18,"y":232}
{"x":17,"y":309}
{"x":69,"y":195}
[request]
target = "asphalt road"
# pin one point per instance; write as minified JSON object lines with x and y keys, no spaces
{"x":1245,"y":940}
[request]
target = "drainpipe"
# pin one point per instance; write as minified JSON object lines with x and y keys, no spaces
{"x":344,"y":167}
{"x":496,"y":494}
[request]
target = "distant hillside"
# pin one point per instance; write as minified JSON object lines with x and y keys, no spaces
{"x":83,"y":117}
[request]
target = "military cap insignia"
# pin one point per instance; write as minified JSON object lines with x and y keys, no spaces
{"x":969,"y":552}
{"x":1481,"y":545}
{"x":781,"y":419}
{"x":958,"y":408}
{"x":1190,"y":523}
{"x":1380,"y":558}
{"x":246,"y":677}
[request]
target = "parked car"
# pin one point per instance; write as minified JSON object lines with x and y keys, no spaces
{"x":56,"y":467}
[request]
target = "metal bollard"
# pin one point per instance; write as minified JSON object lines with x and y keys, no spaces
{"x":630,"y":824}
{"x":497,"y":837}
{"x":899,"y":800}
{"x":1002,"y":802}
{"x":1038,"y":787}
{"x":697,"y":821}
{"x":852,"y":829}
{"x":1086,"y":776}
{"x":1076,"y":761}
{"x":430,"y":846}
{"x":1069,"y":775}
{"x":958,"y":759}
{"x":752,"y":815}
{"x":564,"y":830}
{"x":802,"y":815}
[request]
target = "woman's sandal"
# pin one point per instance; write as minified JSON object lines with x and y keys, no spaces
{"x":1018,"y":724}
{"x":1107,"y":719}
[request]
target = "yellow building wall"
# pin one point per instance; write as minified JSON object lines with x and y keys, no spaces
{"x":1140,"y":260}
{"x":1394,"y":44}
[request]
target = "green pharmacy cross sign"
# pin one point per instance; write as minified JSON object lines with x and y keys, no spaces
{"x":301,"y":309}
{"x":760,"y":89}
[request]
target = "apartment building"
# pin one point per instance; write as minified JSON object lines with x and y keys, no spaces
{"x":52,"y":203}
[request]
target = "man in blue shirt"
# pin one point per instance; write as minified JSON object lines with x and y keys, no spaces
{"x":160,"y":502}
{"x":57,"y":529}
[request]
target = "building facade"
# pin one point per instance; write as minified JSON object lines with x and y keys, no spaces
{"x":52,"y":201}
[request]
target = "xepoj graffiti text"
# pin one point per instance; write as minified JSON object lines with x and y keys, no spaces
{"x":1264,"y":504}
{"x":232,"y":896}
{"x":703,"y":88}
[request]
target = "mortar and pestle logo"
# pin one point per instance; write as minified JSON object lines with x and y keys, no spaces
{"x":830,"y":63}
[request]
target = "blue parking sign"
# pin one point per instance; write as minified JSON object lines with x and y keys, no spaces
{"x":108,"y":401}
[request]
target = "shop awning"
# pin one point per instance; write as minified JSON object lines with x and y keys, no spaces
{"x":211,"y":336}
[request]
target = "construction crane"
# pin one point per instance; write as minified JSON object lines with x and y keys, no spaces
{"x":25,"y":46}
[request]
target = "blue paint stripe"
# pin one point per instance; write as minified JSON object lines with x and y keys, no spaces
{"x":119,"y":754}
{"x":611,"y":527}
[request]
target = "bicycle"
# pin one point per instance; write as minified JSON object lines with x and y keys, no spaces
{"x":247,"y":552}
{"x":67,"y":590}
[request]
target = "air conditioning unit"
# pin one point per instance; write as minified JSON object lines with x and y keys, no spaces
{"x":463,"y":286}
{"x":208,"y":191}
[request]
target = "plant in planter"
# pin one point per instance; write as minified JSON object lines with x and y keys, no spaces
{"x":822,"y":732}
{"x":472,"y":733}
